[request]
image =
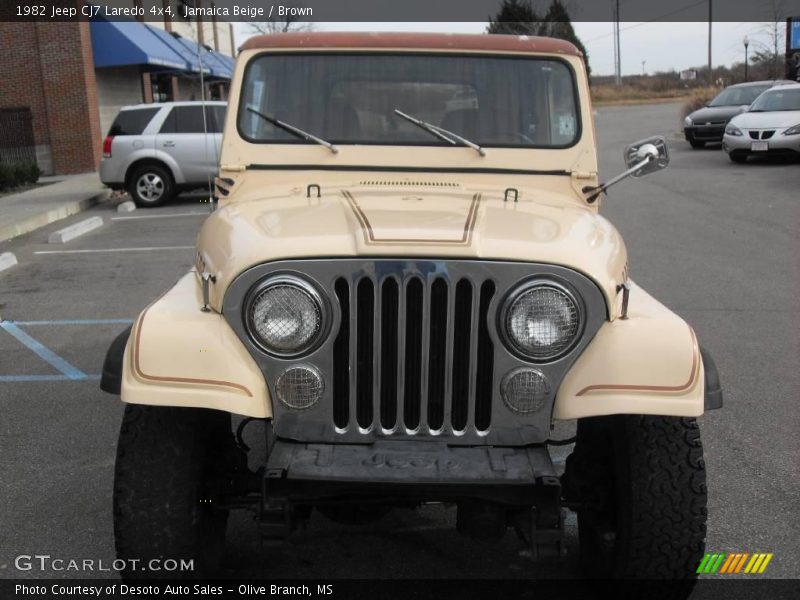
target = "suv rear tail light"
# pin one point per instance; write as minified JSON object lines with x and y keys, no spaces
{"x":107,"y":146}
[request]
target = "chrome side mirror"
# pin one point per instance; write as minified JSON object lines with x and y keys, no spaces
{"x":641,"y":158}
{"x":653,"y":150}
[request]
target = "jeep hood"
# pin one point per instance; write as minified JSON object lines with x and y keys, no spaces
{"x":410,"y":221}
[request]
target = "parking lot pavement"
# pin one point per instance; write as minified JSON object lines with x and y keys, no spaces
{"x":716,"y":242}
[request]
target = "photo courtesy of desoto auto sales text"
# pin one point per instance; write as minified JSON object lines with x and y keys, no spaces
{"x":368,"y":299}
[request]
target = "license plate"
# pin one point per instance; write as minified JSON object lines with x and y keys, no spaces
{"x":759,"y":146}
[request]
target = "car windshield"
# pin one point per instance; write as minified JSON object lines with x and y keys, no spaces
{"x":352,"y":98}
{"x":738,"y":96}
{"x":777,"y":100}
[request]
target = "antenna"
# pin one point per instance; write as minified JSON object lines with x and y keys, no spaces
{"x":205,"y":114}
{"x":617,"y":47}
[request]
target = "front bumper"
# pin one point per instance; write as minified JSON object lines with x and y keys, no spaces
{"x":411,"y":471}
{"x":704,"y":133}
{"x":777,"y":144}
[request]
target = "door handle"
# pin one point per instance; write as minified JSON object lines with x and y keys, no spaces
{"x":169,"y":144}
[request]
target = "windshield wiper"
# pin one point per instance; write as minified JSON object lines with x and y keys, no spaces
{"x":440,"y":132}
{"x":294,"y":130}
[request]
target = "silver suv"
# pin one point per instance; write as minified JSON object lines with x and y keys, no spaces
{"x":157,"y":150}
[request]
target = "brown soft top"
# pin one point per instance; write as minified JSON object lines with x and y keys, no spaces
{"x":416,"y":41}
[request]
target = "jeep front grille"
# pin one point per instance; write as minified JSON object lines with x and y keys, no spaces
{"x":414,"y":356}
{"x":411,"y":349}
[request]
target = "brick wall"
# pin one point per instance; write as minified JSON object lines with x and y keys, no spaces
{"x":20,"y":76}
{"x":49,"y":67}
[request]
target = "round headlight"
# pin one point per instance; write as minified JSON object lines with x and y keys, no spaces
{"x":687,"y":121}
{"x":525,"y":390}
{"x":285,"y":316}
{"x":542,"y":322}
{"x":299,"y":387}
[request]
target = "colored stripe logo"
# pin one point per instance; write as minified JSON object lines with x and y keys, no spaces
{"x":734,"y":563}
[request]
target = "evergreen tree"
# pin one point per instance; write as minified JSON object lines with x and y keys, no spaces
{"x":518,"y":17}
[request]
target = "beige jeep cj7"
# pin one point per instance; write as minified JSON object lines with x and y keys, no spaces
{"x":405,"y":284}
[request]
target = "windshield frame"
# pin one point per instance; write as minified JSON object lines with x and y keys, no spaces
{"x":399,"y":52}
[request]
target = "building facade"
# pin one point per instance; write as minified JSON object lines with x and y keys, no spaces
{"x":69,"y":79}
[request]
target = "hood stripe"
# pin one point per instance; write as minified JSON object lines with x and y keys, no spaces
{"x":371,"y":239}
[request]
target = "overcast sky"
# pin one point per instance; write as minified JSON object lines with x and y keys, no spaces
{"x":662,"y":46}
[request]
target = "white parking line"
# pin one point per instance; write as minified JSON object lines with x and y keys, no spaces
{"x":99,"y":250}
{"x":189,"y":214}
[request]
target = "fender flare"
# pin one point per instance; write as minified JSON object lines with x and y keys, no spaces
{"x":712,"y":398}
{"x":111,"y":380}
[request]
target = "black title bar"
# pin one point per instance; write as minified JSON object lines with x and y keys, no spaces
{"x":389,"y":10}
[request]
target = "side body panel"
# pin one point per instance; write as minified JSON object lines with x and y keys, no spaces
{"x":649,"y":363}
{"x":178,"y":355}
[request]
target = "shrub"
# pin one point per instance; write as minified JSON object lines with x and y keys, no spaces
{"x":6,"y":176}
{"x":698,"y":99}
{"x":33,"y":172}
{"x":18,"y":174}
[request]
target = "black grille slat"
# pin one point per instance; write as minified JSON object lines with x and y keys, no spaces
{"x":437,"y":354}
{"x":388,"y":353}
{"x":485,"y":363}
{"x":341,"y":358}
{"x":461,"y":354}
{"x":364,"y":360}
{"x":413,"y":354}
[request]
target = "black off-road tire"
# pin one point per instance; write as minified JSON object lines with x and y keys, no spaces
{"x":157,"y":174}
{"x":696,"y":143}
{"x":642,"y":483}
{"x":170,"y":462}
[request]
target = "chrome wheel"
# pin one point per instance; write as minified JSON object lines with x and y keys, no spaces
{"x":150,"y":187}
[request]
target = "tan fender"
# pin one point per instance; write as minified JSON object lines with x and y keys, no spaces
{"x":178,"y":355}
{"x":649,"y":364}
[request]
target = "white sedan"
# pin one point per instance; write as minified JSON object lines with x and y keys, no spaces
{"x":771,"y":126}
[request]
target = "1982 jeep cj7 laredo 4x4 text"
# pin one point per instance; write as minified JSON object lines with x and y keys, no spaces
{"x":406,"y":282}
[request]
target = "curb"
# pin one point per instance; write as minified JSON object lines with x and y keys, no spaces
{"x":75,"y":230}
{"x":7,"y":260}
{"x":51,"y":216}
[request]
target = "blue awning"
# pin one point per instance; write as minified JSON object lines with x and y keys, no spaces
{"x":124,"y":43}
{"x":182,"y":50}
{"x":226,"y":61}
{"x":208,"y":60}
{"x":223,"y":68}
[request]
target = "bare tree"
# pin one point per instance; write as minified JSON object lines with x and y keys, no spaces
{"x":291,"y":24}
{"x":768,"y":51}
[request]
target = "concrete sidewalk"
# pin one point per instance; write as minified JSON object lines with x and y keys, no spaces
{"x":26,"y":211}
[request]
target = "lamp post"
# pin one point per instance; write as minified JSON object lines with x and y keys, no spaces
{"x":746,"y":42}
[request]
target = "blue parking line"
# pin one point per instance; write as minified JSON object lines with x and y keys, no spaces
{"x":43,"y":352}
{"x":75,"y":322}
{"x":12,"y":378}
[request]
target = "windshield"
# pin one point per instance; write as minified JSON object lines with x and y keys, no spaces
{"x":352,"y":98}
{"x":778,"y":99}
{"x":739,"y":96}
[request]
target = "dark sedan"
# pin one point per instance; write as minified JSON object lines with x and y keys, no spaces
{"x":708,"y":123}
